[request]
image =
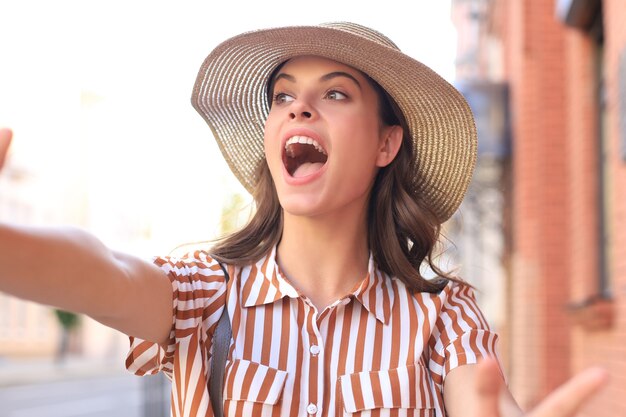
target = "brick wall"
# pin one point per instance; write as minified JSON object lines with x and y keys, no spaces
{"x":540,"y":201}
{"x":608,"y":346}
{"x":550,"y":68}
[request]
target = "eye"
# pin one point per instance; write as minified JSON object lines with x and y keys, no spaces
{"x":336,"y":95}
{"x":281,"y":98}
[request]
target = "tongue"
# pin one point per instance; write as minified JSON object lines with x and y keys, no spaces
{"x":307,"y":168}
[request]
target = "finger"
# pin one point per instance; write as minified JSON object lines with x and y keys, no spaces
{"x":5,"y":141}
{"x":488,"y":386}
{"x":571,"y":396}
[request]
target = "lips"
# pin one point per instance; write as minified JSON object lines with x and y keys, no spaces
{"x":303,"y":156}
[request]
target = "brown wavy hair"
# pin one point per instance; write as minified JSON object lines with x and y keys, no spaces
{"x":402,"y":231}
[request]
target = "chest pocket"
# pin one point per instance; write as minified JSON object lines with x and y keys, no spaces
{"x":405,"y":388}
{"x":251,"y":381}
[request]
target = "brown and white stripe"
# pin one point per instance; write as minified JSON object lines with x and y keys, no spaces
{"x":379,"y":351}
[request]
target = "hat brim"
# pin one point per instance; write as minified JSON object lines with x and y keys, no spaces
{"x":230,"y":94}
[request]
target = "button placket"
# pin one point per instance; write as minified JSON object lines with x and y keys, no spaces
{"x":316,"y":366}
{"x":312,"y":361}
{"x":315,"y":350}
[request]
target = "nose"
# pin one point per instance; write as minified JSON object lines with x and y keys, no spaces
{"x":301,"y":110}
{"x":302,"y":114}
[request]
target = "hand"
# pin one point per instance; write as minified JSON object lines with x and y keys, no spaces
{"x":494,"y":399}
{"x":5,"y":141}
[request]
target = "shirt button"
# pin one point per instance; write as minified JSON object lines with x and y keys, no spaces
{"x":315,"y":350}
{"x":311,"y":408}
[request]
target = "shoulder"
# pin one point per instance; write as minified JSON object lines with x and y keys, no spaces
{"x":458,"y":299}
{"x":455,"y":290}
{"x":193,"y":262}
{"x":197,"y":267}
{"x":452,"y":291}
{"x":449,"y":290}
{"x":455,"y":304}
{"x":457,"y":313}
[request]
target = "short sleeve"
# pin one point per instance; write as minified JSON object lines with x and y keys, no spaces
{"x":198,"y":299}
{"x":461,"y":335}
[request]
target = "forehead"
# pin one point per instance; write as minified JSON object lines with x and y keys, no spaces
{"x":317,"y":65}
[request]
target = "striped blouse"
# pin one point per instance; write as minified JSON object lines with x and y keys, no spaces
{"x":379,"y":351}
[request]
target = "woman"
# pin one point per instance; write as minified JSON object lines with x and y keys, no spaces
{"x":365,"y":153}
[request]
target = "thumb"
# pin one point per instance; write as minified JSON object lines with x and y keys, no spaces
{"x":571,"y":396}
{"x":489,"y":383}
{"x":5,"y":141}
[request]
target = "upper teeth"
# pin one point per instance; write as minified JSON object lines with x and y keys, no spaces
{"x":305,"y":140}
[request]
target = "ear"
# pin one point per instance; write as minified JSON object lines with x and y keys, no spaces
{"x":391,"y":139}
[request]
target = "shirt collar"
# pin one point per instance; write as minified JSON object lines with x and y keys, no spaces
{"x":376,"y":292}
{"x":263,"y":283}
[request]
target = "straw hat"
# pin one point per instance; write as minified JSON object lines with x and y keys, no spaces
{"x":231,"y":95}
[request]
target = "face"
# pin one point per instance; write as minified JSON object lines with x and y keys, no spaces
{"x":324,"y":140}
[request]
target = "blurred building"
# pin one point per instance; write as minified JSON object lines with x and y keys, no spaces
{"x":113,"y":180}
{"x":563,"y":63}
{"x":51,"y":185}
{"x":26,"y":329}
{"x":478,"y":227}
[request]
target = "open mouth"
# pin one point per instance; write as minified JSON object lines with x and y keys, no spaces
{"x":303,"y":156}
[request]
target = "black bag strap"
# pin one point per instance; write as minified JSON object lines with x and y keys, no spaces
{"x":221,"y":343}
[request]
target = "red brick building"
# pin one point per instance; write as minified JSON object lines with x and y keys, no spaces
{"x":564,"y":62}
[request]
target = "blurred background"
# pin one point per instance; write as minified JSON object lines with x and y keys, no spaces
{"x":105,"y":139}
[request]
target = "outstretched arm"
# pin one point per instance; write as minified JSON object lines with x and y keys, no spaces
{"x":478,"y":390}
{"x":5,"y":140}
{"x":70,"y":269}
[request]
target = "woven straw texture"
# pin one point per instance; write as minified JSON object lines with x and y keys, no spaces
{"x":231,"y":95}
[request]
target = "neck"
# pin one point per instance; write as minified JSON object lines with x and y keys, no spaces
{"x":326,"y":256}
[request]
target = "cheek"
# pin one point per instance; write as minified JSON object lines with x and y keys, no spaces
{"x":270,"y":139}
{"x":361,"y":138}
{"x":363,"y":123}
{"x":271,"y":148}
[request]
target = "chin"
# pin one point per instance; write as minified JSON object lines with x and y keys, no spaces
{"x":300,"y":206}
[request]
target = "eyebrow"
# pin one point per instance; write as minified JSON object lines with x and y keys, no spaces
{"x":285,"y":76}
{"x":325,"y":77}
{"x":336,"y":74}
